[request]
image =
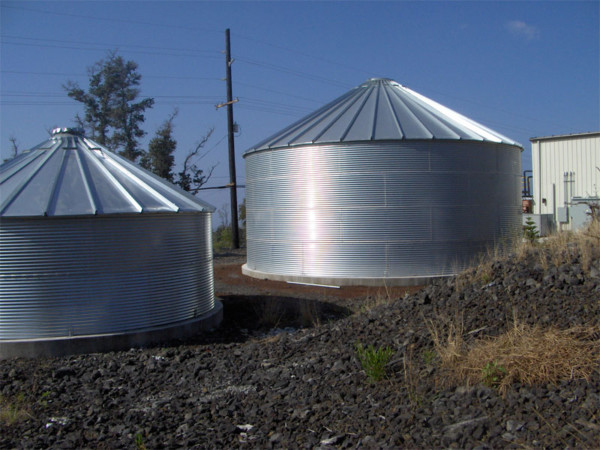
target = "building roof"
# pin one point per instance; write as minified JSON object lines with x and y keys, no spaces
{"x":566,"y":136}
{"x":70,"y":175}
{"x":381,"y":110}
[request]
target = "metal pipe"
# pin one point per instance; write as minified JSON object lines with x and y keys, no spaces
{"x":526,"y":189}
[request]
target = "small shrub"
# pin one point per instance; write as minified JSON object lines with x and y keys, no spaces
{"x":222,"y":239}
{"x":13,"y":411}
{"x":373,"y":360}
{"x":492,"y":374}
{"x":139,"y":442}
{"x":43,"y":400}
{"x":530,"y":231}
{"x":428,"y":357}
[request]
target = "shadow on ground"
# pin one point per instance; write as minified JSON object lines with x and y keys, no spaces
{"x":262,"y":313}
{"x":248,"y":317}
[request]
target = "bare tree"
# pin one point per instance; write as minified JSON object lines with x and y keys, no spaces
{"x":14,"y":146}
{"x":191,"y":178}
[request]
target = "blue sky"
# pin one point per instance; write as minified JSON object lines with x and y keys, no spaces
{"x":523,"y":69}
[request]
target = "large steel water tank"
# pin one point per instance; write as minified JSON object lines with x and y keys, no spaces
{"x":97,"y":253}
{"x":380,"y":186}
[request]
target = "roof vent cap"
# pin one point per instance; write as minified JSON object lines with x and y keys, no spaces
{"x":78,"y":131}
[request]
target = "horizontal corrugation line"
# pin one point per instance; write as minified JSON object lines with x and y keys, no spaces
{"x":109,"y":274}
{"x":377,"y":211}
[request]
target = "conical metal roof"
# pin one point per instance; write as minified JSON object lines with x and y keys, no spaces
{"x":381,"y":110}
{"x":70,"y":175}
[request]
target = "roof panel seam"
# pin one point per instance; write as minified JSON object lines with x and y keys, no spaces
{"x":90,"y":189}
{"x":375,"y":111}
{"x":323,"y":116}
{"x":51,"y":200}
{"x":16,"y":192}
{"x":116,"y":184}
{"x":366,"y":96}
{"x":435,"y":118}
{"x":394,"y":114}
{"x":352,"y":101}
{"x":145,"y":186}
{"x":416,"y":119}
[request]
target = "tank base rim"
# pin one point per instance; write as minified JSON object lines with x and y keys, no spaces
{"x":73,"y":345}
{"x":339,"y":281}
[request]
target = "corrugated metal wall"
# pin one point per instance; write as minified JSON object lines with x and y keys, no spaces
{"x":379,"y":210}
{"x":70,"y":276}
{"x":552,"y":157}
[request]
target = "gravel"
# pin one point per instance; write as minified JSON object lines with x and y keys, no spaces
{"x":252,"y":384}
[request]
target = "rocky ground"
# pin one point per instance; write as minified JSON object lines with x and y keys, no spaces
{"x":282,"y":372}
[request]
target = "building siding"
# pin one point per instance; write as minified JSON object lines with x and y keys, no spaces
{"x":552,"y":157}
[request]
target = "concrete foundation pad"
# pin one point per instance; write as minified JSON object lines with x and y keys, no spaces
{"x":61,"y":346}
{"x":332,"y":281}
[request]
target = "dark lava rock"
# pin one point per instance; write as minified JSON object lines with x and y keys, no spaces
{"x":248,"y":386}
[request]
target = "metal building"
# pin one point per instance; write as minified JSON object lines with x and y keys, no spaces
{"x":97,"y":253}
{"x":566,"y":176}
{"x":380,"y":186}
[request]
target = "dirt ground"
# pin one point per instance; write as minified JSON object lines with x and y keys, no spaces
{"x":230,"y":282}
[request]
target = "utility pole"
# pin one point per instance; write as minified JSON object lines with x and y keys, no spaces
{"x":232,"y":178}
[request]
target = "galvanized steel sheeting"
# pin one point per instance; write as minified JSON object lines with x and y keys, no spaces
{"x":381,"y":110}
{"x":105,"y":274}
{"x":379,"y":209}
{"x":69,"y":175}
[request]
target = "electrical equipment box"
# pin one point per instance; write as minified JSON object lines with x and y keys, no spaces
{"x":561,"y":214}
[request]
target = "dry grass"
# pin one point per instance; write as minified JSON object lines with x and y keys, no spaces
{"x":308,"y":314}
{"x":552,"y":251}
{"x":562,"y":248}
{"x":526,"y":354}
{"x":270,"y":313}
{"x":381,"y":297}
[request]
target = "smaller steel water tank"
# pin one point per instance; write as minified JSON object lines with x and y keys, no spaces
{"x":97,"y":253}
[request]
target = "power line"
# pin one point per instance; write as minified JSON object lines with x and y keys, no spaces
{"x":63,"y":74}
{"x":185,"y":99}
{"x":65,"y":47}
{"x":292,"y":72}
{"x":112,"y":45}
{"x":111,"y":19}
{"x":277,"y":92}
{"x":308,"y":55}
{"x":179,"y":52}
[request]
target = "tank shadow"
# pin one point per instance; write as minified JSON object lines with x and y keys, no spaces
{"x":251,"y":316}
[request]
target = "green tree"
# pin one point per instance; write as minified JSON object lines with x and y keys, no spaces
{"x":530,"y":231}
{"x":242,"y":220}
{"x":160,"y":159}
{"x":112,"y":114}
